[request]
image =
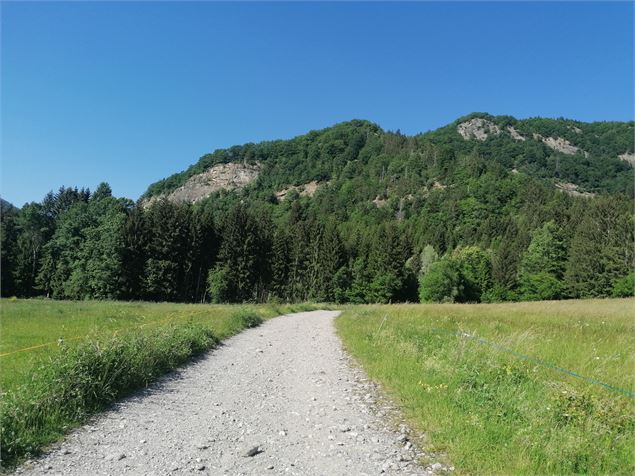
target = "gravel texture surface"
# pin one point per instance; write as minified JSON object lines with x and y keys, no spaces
{"x":283,"y":398}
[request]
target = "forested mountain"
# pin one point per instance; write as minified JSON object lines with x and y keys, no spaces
{"x":5,"y":206}
{"x":484,"y":209}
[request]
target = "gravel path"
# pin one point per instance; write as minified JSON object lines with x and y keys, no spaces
{"x":285,"y":390}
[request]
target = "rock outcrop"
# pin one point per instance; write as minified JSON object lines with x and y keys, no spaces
{"x":515,"y":134}
{"x":477,"y":128}
{"x":572,"y":189}
{"x":628,"y":157}
{"x":561,"y":145}
{"x":230,"y":176}
{"x":307,"y":189}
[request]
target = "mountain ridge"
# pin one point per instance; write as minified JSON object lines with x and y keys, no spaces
{"x":563,"y":150}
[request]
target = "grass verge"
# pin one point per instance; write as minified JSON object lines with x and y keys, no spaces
{"x":477,"y":380}
{"x":120,"y":348}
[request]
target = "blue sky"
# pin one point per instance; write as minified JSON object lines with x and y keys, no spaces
{"x":129,"y":93}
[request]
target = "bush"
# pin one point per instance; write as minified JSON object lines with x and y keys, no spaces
{"x":218,"y":285}
{"x":248,"y":319}
{"x":304,"y":307}
{"x":475,"y":268}
{"x":540,"y":287}
{"x":442,"y":282}
{"x":498,"y":293}
{"x":624,"y":287}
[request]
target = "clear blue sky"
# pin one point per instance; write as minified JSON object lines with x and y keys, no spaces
{"x":129,"y":93}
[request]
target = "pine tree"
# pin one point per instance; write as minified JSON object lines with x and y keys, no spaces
{"x":506,"y":260}
{"x":602,"y":248}
{"x":33,"y":230}
{"x":202,"y":252}
{"x":280,"y":264}
{"x":244,"y":253}
{"x":8,"y":239}
{"x":167,"y":267}
{"x":98,"y":273}
{"x":332,"y":258}
{"x":61,"y":254}
{"x":542,"y":266}
{"x":134,"y":253}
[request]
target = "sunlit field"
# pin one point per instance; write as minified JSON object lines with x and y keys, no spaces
{"x":492,"y":386}
{"x":33,"y":330}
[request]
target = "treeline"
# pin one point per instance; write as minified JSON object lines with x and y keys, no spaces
{"x":77,"y":245}
{"x":524,"y":243}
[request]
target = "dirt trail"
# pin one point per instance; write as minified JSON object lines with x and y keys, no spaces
{"x":286,"y":388}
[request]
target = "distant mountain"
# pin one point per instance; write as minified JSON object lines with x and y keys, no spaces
{"x":577,"y":158}
{"x":6,"y":206}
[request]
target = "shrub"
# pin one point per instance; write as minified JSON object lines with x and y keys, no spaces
{"x":248,"y":318}
{"x":218,"y":285}
{"x":624,"y":287}
{"x":541,"y":286}
{"x":499,"y":293}
{"x":475,"y":268}
{"x":442,"y":282}
{"x":304,"y":307}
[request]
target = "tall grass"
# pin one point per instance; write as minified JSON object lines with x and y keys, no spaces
{"x":81,"y":380}
{"x":469,"y":377}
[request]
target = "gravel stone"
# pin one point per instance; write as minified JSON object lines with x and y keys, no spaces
{"x":254,"y":451}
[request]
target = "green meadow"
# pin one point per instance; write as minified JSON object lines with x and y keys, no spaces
{"x":491,"y":386}
{"x":33,"y":331}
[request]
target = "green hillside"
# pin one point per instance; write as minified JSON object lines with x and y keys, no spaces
{"x":360,"y":147}
{"x":484,"y":209}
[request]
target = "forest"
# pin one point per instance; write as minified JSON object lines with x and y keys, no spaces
{"x":432,"y":218}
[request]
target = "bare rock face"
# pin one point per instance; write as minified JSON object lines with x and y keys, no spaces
{"x":628,"y":157}
{"x":572,"y":189}
{"x":560,"y":144}
{"x":515,"y":134}
{"x":307,"y":189}
{"x":477,"y":128}
{"x":230,"y":176}
{"x":380,"y":202}
{"x":438,"y":186}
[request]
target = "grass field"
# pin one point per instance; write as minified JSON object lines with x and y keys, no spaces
{"x":30,"y":323}
{"x":61,"y":361}
{"x":480,"y":381}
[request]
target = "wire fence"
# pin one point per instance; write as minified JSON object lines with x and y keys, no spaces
{"x":534,"y":360}
{"x":479,"y":340}
{"x":63,"y":340}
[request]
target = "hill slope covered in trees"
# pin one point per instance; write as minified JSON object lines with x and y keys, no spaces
{"x":484,"y":209}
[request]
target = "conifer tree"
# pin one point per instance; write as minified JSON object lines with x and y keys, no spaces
{"x":542,"y":266}
{"x":280,"y":264}
{"x":602,"y":248}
